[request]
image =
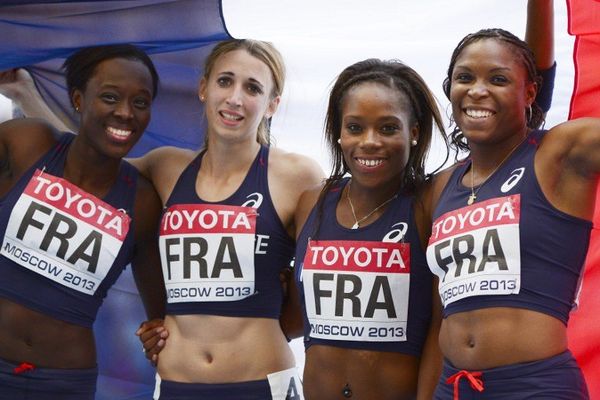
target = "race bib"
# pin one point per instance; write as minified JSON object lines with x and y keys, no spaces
{"x":475,"y":250}
{"x":63,"y":233}
{"x":207,"y":252}
{"x":357,"y":290}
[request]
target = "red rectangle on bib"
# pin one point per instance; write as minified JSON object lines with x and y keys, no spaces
{"x":357,"y":256}
{"x":73,"y":201}
{"x":493,"y":212}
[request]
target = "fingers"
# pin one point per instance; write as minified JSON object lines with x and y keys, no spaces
{"x":153,"y":336}
{"x":148,"y":325}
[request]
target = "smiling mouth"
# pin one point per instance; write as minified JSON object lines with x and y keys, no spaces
{"x":478,"y":114}
{"x":230,"y":117}
{"x":369,"y":163}
{"x":120,"y":134}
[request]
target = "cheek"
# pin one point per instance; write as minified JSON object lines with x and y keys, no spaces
{"x":144,"y":118}
{"x":455,"y":96}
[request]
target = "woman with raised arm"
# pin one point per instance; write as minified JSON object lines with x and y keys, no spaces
{"x":73,"y":214}
{"x":226,"y":234}
{"x":511,"y":229}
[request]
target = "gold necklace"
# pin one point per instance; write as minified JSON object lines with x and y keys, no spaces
{"x":473,"y":195}
{"x":358,"y":221}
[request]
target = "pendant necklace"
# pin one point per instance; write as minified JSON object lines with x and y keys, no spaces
{"x":357,"y":221}
{"x":473,"y":195}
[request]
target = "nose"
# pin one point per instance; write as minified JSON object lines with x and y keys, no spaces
{"x":234,"y":99}
{"x":478,"y":89}
{"x":370,"y":138}
{"x":124,"y":110}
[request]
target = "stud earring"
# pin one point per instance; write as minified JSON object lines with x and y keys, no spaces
{"x":201,"y":98}
{"x":339,"y":140}
{"x":77,"y":109}
{"x":413,"y":142}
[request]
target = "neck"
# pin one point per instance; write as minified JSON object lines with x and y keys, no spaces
{"x":486,"y":158}
{"x":226,"y":158}
{"x":89,"y":170}
{"x":369,"y":197}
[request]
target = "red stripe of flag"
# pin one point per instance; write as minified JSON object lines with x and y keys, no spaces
{"x":584,"y":326}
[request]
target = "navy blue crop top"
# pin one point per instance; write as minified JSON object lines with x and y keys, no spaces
{"x":367,"y":288}
{"x":63,"y":248}
{"x":511,"y":248}
{"x":224,"y":258}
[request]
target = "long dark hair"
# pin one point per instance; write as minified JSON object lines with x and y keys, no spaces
{"x":524,"y":54}
{"x":424,"y":112}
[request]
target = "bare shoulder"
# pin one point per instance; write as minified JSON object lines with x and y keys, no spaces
{"x":162,"y":166}
{"x":433,"y":190}
{"x":308,"y":200}
{"x":24,"y":131}
{"x":157,"y":158}
{"x":296,"y":170}
{"x":564,"y":136}
{"x":25,"y":140}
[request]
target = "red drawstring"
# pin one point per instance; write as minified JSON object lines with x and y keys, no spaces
{"x":473,"y":377}
{"x":23,"y":367}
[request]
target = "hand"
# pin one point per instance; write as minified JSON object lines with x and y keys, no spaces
{"x":15,"y":83}
{"x":153,"y":336}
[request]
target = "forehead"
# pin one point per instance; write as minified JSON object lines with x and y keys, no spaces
{"x":121,"y":72}
{"x":377,"y":97}
{"x":241,"y":63}
{"x":490,"y":52}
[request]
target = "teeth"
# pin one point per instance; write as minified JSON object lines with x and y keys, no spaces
{"x":478,"y":113}
{"x":230,"y":117}
{"x":118,"y":132}
{"x":369,"y":163}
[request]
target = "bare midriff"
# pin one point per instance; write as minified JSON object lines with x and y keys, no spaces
{"x":338,"y":373}
{"x":216,"y":349}
{"x":494,"y":337}
{"x":35,"y":338}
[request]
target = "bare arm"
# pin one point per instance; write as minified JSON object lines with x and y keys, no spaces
{"x":162,"y":166}
{"x":146,"y":261}
{"x":540,"y":37}
{"x":539,"y":32}
{"x":290,"y":175}
{"x":291,"y":317}
{"x":22,"y":142}
{"x":18,"y":86}
{"x":567,"y":165}
{"x":430,"y":367}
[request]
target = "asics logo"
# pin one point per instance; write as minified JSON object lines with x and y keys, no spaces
{"x":513,"y":179}
{"x":396,"y":235}
{"x":254,"y":200}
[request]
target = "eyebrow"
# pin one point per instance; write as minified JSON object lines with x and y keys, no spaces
{"x":496,"y":69}
{"x":229,"y":73}
{"x":117,"y":87}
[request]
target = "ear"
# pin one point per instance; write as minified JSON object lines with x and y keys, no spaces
{"x":273,"y":105}
{"x":530,"y":92}
{"x":76,"y":99}
{"x":415,"y":132}
{"x":202,"y":89}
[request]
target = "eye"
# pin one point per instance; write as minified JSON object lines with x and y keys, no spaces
{"x":254,"y":89}
{"x":499,"y":79}
{"x":109,"y":98}
{"x":353,"y":128}
{"x":224,"y":81}
{"x":462,"y":77}
{"x":389,"y":129}
{"x":141,"y":103}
